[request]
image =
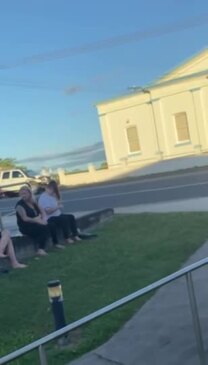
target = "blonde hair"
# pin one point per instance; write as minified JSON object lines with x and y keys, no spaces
{"x":25,"y":187}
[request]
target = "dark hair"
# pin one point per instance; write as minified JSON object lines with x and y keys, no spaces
{"x":53,"y":186}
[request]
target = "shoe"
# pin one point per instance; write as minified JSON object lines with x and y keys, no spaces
{"x":41,"y":252}
{"x":62,"y":247}
{"x":69,"y":241}
{"x":77,"y":238}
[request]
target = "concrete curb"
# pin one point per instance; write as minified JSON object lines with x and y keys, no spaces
{"x":24,"y":247}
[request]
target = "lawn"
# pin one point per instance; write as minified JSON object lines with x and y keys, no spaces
{"x":129,"y":253}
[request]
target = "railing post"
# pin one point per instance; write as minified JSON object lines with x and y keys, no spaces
{"x":195,"y":318}
{"x":42,"y":355}
{"x":56,"y":299}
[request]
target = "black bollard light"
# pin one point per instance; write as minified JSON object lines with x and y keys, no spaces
{"x":56,"y":299}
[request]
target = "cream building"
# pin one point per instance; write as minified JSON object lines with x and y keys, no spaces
{"x":166,"y":120}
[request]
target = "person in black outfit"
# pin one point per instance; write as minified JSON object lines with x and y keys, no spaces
{"x":30,"y":220}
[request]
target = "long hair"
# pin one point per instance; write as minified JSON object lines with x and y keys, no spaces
{"x":53,"y":186}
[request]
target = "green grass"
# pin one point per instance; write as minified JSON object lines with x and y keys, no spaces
{"x":129,"y":253}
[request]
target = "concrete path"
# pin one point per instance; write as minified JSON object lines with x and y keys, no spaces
{"x":161,"y":333}
{"x":189,"y":205}
{"x":176,"y":164}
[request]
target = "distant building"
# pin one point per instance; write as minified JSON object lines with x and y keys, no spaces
{"x":167,"y":120}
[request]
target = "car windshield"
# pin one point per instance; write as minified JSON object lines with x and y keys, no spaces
{"x":30,"y":173}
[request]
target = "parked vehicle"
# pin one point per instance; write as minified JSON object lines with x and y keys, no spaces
{"x":2,"y":195}
{"x":43,"y":178}
{"x":12,"y":180}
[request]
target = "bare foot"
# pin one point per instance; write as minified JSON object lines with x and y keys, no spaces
{"x":69,"y":240}
{"x":19,"y":266}
{"x":2,"y":255}
{"x":41,"y":252}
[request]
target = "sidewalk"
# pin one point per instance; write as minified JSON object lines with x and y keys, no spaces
{"x":172,"y":165}
{"x":188,"y":205}
{"x":161,"y":333}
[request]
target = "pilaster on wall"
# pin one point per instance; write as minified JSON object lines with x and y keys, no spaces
{"x":107,"y":139}
{"x":159,"y":125}
{"x":200,"y":97}
{"x":195,"y":94}
{"x":62,"y":176}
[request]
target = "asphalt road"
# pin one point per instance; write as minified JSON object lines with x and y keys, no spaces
{"x":132,"y":192}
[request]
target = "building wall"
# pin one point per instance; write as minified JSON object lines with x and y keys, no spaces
{"x":153,"y":114}
{"x":84,"y":178}
{"x":171,"y":105}
{"x":118,"y":122}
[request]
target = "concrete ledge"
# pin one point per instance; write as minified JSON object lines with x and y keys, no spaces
{"x":24,"y":246}
{"x":91,"y":219}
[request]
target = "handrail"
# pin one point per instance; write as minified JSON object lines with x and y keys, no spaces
{"x":135,"y":295}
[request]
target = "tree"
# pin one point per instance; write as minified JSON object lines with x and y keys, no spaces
{"x":104,"y":165}
{"x":9,"y":163}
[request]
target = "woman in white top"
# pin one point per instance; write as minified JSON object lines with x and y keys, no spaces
{"x":49,"y":201}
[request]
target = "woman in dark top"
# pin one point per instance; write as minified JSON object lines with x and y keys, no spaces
{"x":7,"y":250}
{"x":30,"y":220}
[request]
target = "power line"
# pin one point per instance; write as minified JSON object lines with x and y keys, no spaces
{"x":110,"y":42}
{"x":67,"y":89}
{"x":29,"y":85}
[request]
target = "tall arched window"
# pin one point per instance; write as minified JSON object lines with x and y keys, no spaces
{"x":133,"y":139}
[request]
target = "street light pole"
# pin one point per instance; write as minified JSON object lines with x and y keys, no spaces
{"x":147,"y":91}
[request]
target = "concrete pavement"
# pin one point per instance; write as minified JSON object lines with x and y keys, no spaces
{"x":175,"y":164}
{"x":188,"y":205}
{"x":161,"y":333}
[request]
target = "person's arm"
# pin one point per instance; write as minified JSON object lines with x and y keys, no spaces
{"x":51,"y":210}
{"x":22,"y":213}
{"x":60,"y":204}
{"x":42,"y":213}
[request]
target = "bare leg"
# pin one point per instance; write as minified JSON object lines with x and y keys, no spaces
{"x":7,"y":245}
{"x":3,"y":243}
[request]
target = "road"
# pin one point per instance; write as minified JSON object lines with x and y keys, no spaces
{"x":132,"y":192}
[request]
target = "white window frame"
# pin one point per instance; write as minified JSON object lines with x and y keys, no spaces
{"x":17,"y":177}
{"x":5,"y":172}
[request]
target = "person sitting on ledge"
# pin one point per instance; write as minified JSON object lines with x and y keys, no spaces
{"x":49,"y":201}
{"x":30,"y":220}
{"x":7,"y":250}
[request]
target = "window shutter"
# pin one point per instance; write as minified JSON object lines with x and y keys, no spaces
{"x":133,"y":139}
{"x":182,"y":128}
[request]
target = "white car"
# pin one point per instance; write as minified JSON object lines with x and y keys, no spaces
{"x":12,"y":180}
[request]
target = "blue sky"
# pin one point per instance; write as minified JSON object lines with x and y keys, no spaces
{"x":38,"y":117}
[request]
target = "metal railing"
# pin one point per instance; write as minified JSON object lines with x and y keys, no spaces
{"x":187,"y":272}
